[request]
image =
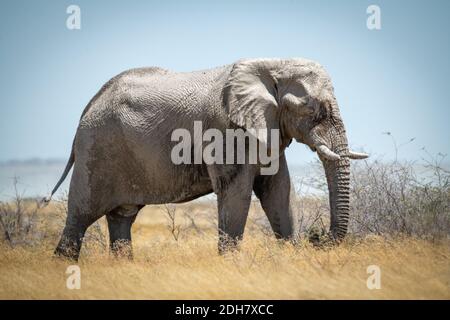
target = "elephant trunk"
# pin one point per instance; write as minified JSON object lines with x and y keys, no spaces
{"x":337,"y":171}
{"x":338,"y":179}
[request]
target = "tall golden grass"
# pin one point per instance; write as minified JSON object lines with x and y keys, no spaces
{"x":190,"y":268}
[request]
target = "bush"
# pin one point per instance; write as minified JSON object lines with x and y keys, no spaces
{"x":23,"y":222}
{"x":18,"y":219}
{"x":401,"y":197}
{"x":387,"y":198}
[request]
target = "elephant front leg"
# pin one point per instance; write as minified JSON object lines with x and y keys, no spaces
{"x":233,"y":203}
{"x":277,"y":196}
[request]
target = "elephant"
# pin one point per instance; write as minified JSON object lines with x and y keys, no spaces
{"x":121,"y":152}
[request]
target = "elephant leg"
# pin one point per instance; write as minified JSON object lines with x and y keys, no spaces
{"x":120,"y":221}
{"x":233,"y":204}
{"x":77,"y":222}
{"x":277,"y":196}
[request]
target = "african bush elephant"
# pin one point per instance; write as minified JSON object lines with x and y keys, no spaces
{"x":122,"y":148}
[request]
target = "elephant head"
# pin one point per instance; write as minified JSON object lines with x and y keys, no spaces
{"x":296,"y":96}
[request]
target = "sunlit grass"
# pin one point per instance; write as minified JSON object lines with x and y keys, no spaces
{"x":190,"y":268}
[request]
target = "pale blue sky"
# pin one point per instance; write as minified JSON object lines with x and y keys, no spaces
{"x":395,"y":79}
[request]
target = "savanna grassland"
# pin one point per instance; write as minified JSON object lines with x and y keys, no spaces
{"x":399,"y":222}
{"x":175,"y":257}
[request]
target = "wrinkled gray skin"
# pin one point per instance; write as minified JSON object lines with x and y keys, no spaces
{"x":121,"y":151}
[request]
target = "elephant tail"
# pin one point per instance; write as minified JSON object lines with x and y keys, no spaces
{"x":69,"y":165}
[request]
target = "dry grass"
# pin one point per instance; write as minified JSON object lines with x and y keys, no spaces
{"x":189,"y":268}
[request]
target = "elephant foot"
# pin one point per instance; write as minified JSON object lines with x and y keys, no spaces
{"x":228,"y":244}
{"x":321,"y":239}
{"x":122,"y":249}
{"x":68,"y":249}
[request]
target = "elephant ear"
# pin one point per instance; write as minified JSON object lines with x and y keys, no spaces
{"x":250,"y":96}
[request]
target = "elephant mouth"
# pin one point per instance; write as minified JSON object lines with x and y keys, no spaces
{"x":311,"y":146}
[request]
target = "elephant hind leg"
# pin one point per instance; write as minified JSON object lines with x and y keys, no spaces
{"x":77,"y":222}
{"x":120,"y":221}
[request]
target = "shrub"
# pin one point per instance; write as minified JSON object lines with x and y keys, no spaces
{"x":387,"y":198}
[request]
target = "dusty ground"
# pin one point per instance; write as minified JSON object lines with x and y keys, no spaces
{"x":189,"y":268}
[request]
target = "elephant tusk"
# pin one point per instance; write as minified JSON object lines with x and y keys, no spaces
{"x":357,"y":155}
{"x":327,"y":153}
